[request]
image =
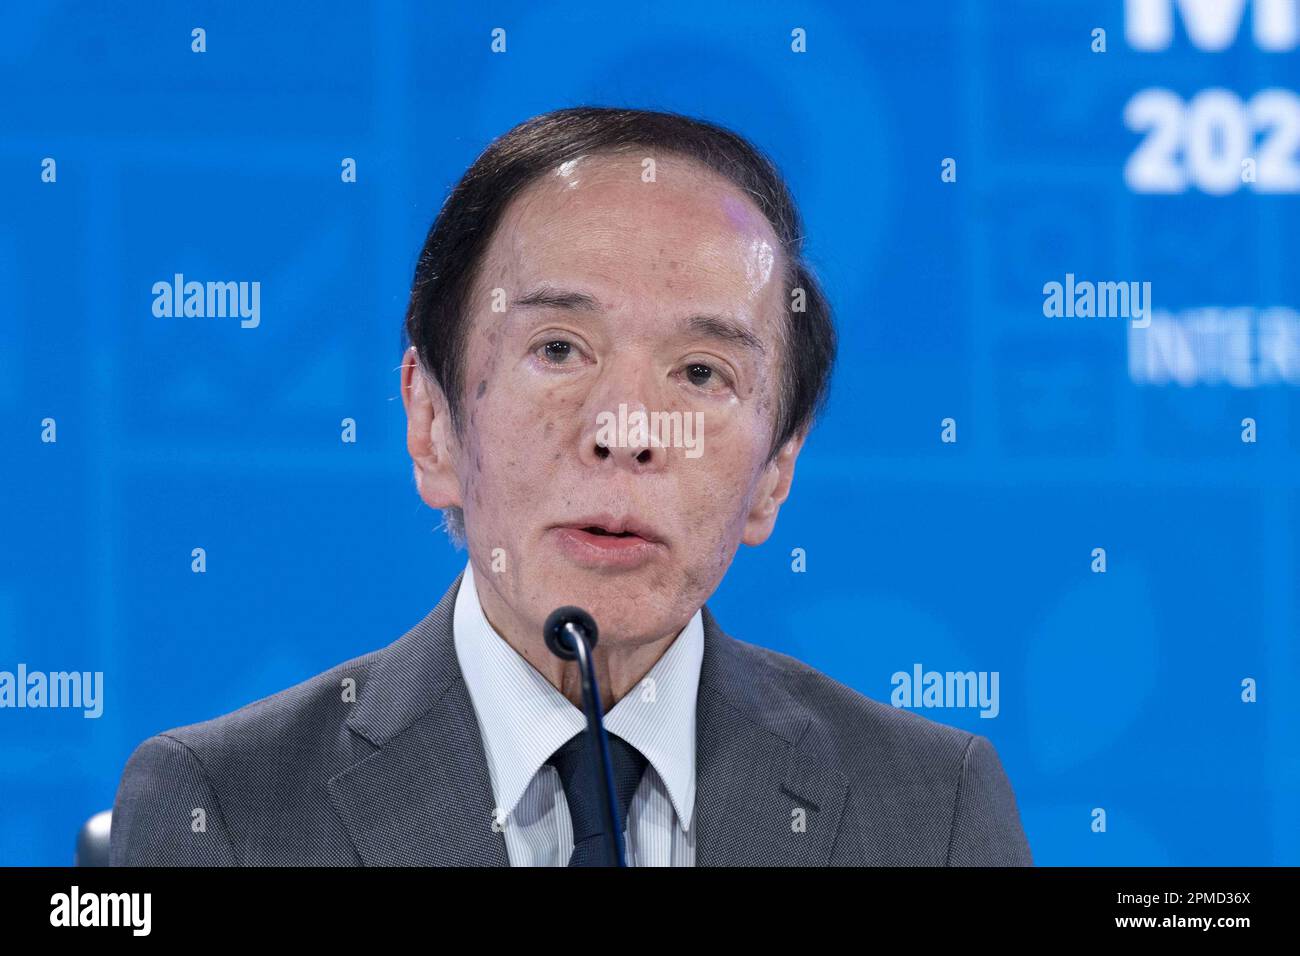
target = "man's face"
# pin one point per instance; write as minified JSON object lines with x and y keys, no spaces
{"x":661,"y":296}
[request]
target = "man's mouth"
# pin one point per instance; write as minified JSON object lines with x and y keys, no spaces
{"x":615,"y":527}
{"x":608,"y":542}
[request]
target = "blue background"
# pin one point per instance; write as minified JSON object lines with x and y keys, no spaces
{"x":1118,"y":690}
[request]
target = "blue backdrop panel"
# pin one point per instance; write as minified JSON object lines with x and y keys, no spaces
{"x":1171,"y":158}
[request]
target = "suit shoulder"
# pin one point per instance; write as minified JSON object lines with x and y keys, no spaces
{"x":256,"y":772}
{"x":162,"y":787}
{"x":315,"y":708}
{"x":939,"y":793}
{"x":839,"y":709}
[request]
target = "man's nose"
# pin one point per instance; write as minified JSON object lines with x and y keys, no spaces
{"x":621,"y":425}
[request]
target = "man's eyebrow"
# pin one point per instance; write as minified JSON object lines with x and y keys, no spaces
{"x":725,"y":328}
{"x":549,"y":298}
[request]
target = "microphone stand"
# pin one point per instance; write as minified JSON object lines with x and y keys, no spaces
{"x":571,"y":634}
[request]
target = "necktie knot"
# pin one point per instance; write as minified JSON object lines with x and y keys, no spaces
{"x":584,"y":790}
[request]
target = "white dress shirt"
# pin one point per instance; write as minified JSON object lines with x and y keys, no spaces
{"x":523,"y":719}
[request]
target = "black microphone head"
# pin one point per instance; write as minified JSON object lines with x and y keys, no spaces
{"x":556,"y":637}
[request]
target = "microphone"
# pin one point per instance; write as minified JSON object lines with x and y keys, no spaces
{"x":570,"y":634}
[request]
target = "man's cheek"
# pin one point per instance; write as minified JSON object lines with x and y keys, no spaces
{"x":702,"y":510}
{"x":542,"y":413}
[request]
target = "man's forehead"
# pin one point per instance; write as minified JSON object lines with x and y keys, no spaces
{"x":688,"y":230}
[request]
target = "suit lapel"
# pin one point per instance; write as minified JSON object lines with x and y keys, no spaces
{"x":424,"y":796}
{"x":761,"y":798}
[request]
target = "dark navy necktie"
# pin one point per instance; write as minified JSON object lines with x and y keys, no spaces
{"x":584,"y":789}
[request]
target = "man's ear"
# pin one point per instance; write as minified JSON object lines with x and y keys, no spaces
{"x":429,"y":435}
{"x":773,"y":489}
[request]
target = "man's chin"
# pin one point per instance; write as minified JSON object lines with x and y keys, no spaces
{"x":629,"y":607}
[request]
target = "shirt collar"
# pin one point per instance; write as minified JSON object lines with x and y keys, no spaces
{"x":524,"y":718}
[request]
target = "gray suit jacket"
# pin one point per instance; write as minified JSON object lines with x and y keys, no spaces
{"x":395,"y":774}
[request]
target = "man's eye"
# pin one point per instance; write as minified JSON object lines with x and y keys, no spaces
{"x":702,"y":375}
{"x":557,"y":351}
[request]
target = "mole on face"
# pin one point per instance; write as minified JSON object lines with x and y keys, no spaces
{"x":482,"y":389}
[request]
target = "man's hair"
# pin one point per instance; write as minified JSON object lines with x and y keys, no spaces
{"x":437,"y":318}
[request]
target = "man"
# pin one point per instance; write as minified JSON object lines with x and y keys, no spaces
{"x":593,"y":265}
